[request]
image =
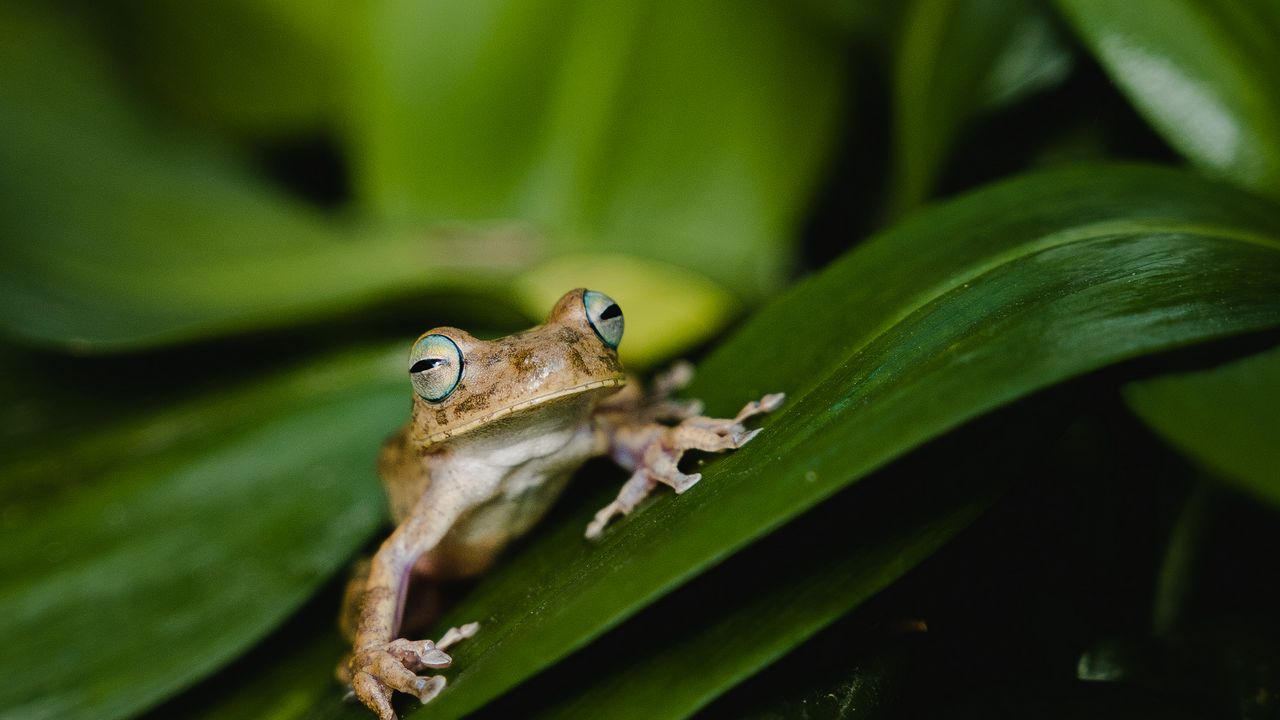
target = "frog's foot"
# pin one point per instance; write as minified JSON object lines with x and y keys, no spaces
{"x":377,"y":671}
{"x":655,"y":452}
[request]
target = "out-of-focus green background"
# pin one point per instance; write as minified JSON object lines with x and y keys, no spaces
{"x":1014,"y":261}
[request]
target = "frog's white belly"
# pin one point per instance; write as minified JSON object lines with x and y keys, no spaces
{"x":513,"y":486}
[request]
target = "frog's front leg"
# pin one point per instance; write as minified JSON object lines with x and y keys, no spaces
{"x":652,"y":451}
{"x":381,"y":662}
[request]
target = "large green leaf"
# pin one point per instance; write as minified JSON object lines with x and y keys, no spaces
{"x":955,"y":59}
{"x":958,"y":311}
{"x":141,"y":557}
{"x":731,"y":631}
{"x":947,"y":316}
{"x":116,"y":233}
{"x":1226,"y":417}
{"x":257,"y":68}
{"x":728,"y":623}
{"x":689,"y":133}
{"x":1202,"y":72}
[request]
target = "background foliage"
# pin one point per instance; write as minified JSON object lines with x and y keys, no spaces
{"x":1016,"y":263}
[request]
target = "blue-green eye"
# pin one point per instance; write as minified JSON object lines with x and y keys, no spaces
{"x":435,"y":367}
{"x":604,"y":315}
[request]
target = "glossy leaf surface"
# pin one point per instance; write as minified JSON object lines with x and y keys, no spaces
{"x":1040,"y":280}
{"x":733,"y":630}
{"x":1203,"y":74}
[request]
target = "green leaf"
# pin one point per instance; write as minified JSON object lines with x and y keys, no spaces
{"x":144,"y":556}
{"x":960,"y":310}
{"x":949,"y":315}
{"x":728,"y":623}
{"x":1202,"y":72}
{"x":956,"y":59}
{"x":738,"y":629}
{"x":1225,"y":417}
{"x":117,"y":233}
{"x":689,"y":133}
{"x":257,"y":68}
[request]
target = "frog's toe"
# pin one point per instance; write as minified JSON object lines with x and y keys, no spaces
{"x":374,"y":695}
{"x":376,"y":672}
{"x":458,"y":634}
{"x":418,"y":654}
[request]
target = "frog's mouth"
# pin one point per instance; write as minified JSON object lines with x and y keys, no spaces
{"x":443,"y":435}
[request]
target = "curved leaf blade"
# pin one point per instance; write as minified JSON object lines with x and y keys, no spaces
{"x":1227,"y":418}
{"x":744,"y":632}
{"x":954,"y":313}
{"x":117,"y":234}
{"x":1202,"y":72}
{"x":179,"y":540}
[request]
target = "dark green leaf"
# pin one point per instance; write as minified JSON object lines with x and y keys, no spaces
{"x":1203,"y":74}
{"x":960,"y":310}
{"x":155,"y":551}
{"x":740,"y":630}
{"x":1226,"y":417}
{"x":949,"y":315}
{"x":730,"y":623}
{"x":649,"y":128}
{"x":957,"y":58}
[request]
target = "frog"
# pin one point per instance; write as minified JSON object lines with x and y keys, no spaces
{"x":496,"y":429}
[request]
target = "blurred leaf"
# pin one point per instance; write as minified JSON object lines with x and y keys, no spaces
{"x":690,"y":133}
{"x":1227,"y":418}
{"x":863,"y":19}
{"x":262,"y":68}
{"x":668,"y":308}
{"x":951,"y":314}
{"x":1178,"y":568}
{"x":116,"y":234}
{"x":158,"y":550}
{"x":1202,"y":72}
{"x":956,"y":59}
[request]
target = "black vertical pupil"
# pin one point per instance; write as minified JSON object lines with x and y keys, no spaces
{"x":611,"y":312}
{"x":425,"y":364}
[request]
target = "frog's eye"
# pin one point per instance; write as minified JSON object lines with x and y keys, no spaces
{"x":604,"y":315}
{"x":435,"y":367}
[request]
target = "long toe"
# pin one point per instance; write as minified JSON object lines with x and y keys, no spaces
{"x":431,"y":687}
{"x":374,"y":695}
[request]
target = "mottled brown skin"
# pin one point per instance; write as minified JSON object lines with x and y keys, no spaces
{"x":474,"y":470}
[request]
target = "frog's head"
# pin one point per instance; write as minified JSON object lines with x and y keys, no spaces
{"x":461,"y":383}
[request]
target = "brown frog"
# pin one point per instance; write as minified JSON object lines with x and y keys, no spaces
{"x":497,"y":429}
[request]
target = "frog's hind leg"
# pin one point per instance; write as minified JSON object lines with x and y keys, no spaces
{"x":349,"y":616}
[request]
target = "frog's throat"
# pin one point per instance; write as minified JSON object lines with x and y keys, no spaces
{"x":486,"y":419}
